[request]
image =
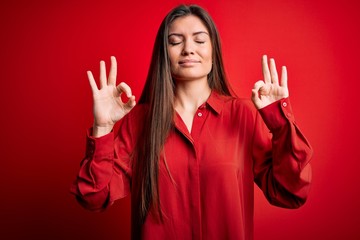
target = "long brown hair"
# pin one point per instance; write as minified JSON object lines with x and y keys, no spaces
{"x":158,"y":94}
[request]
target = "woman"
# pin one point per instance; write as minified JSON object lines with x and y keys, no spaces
{"x":190,"y":151}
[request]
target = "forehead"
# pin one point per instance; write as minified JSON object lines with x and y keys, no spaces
{"x":187,"y":24}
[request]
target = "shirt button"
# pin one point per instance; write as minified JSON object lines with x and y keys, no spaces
{"x":284,"y":104}
{"x":199,"y":114}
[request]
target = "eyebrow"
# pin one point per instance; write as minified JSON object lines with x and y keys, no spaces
{"x":180,"y":35}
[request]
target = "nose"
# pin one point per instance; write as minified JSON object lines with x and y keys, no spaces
{"x":188,"y":48}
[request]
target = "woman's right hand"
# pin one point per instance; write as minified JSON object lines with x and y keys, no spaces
{"x":108,"y":106}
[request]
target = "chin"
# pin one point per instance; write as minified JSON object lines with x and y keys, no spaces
{"x":190,"y":76}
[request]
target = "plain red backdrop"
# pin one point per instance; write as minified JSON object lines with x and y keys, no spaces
{"x":47,"y":46}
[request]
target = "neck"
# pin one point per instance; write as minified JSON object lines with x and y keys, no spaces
{"x":189,"y":95}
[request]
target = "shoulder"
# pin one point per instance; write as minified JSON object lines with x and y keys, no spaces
{"x":245,"y":103}
{"x":228,"y":103}
{"x":138,"y":112}
{"x":237,"y":114}
{"x":134,"y":120}
{"x":238,"y":105}
{"x":234,"y":109}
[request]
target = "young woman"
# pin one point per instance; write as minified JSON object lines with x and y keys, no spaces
{"x":190,"y":151}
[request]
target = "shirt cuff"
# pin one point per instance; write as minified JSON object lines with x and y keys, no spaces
{"x":277,"y":114}
{"x":100,"y":147}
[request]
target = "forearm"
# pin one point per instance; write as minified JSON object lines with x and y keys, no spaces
{"x":91,"y":186}
{"x":285,"y":177}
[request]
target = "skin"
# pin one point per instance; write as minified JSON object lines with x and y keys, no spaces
{"x":108,"y":106}
{"x":189,"y":49}
{"x":190,"y":54}
{"x":270,"y":90}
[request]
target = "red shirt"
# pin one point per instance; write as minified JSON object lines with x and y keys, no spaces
{"x":211,"y":193}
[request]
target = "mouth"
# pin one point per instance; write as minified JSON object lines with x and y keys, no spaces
{"x":188,"y":61}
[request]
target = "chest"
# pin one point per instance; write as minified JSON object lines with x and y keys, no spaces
{"x":216,"y":145}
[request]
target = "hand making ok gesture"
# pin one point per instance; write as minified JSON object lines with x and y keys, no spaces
{"x":108,"y":107}
{"x":270,"y":89}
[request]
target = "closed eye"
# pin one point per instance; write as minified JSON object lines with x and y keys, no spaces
{"x":174,"y":43}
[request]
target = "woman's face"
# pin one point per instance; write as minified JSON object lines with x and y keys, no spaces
{"x":189,"y":49}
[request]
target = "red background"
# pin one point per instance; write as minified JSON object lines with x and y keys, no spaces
{"x":47,"y":46}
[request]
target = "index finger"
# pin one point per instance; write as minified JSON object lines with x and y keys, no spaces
{"x":113,"y":71}
{"x":265,"y":69}
{"x":124,"y":88}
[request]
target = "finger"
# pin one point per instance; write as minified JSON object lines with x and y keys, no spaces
{"x":130,"y":103}
{"x":265,"y":70}
{"x":255,"y":95}
{"x":255,"y":90}
{"x":284,"y":77}
{"x":256,"y":98}
{"x":92,"y":82}
{"x":103,"y":81}
{"x":124,"y":88}
{"x":273,"y":72}
{"x":258,"y":85}
{"x":113,"y":71}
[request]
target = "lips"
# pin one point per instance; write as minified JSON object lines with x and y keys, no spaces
{"x":188,"y":61}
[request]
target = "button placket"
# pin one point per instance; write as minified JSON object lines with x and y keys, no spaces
{"x":199,"y":119}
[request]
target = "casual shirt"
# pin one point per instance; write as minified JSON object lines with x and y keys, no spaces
{"x":206,"y":176}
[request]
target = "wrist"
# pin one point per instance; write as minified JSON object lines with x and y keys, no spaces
{"x":99,"y":131}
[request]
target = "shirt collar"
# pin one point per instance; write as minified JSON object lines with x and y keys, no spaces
{"x":216,"y":101}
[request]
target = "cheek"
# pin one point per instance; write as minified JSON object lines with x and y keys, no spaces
{"x":173,"y":66}
{"x":172,"y":57}
{"x":207,"y":57}
{"x":206,"y":53}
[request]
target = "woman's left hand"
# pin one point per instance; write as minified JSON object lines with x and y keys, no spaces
{"x":269,"y":90}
